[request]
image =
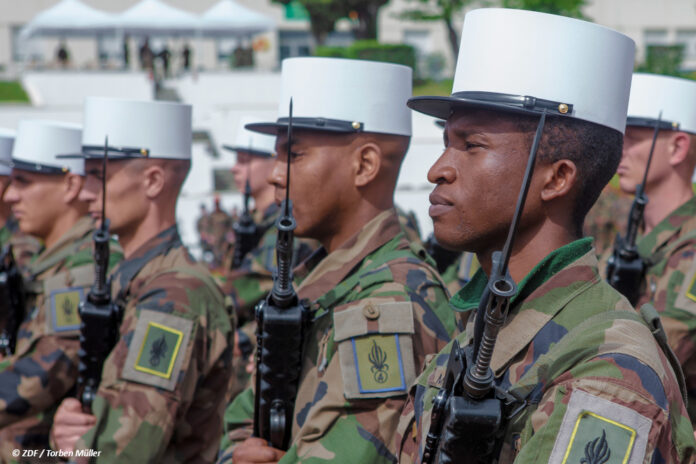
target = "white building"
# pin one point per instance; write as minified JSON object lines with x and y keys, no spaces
{"x":648,"y":22}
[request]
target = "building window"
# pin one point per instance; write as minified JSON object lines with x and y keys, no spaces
{"x":294,"y":43}
{"x":687,"y":38}
{"x":27,"y":49}
{"x":656,"y":37}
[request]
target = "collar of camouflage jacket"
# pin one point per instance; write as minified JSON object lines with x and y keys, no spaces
{"x":269,"y":216}
{"x":321,"y":272}
{"x":667,"y":229}
{"x":156,"y":246}
{"x":468,"y":297}
{"x":563,"y":274}
{"x":64,"y":247}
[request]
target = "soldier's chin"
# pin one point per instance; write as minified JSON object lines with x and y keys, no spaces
{"x":627,"y":185}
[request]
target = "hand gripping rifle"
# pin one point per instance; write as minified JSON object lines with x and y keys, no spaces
{"x":245,"y":232}
{"x":12,"y":300}
{"x":99,"y":316}
{"x":281,"y":321}
{"x":467,"y":414}
{"x":626,"y":268}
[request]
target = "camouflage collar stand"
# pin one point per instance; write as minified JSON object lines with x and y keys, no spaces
{"x":468,"y":297}
{"x":667,"y":228}
{"x":156,"y":246}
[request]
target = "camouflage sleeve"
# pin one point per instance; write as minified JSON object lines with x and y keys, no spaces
{"x":167,"y":378}
{"x":239,"y":421}
{"x":363,"y":369}
{"x":611,"y":405}
{"x":672,"y":290}
{"x":35,"y":379}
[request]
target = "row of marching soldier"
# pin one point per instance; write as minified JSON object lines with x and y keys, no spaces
{"x":333,"y":335}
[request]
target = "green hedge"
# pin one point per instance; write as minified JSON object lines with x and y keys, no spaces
{"x":12,"y":91}
{"x":372,"y":50}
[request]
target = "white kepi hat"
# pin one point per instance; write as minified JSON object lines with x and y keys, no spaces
{"x":7,"y":138}
{"x":253,"y":143}
{"x":136,"y":129}
{"x":523,"y":61}
{"x":343,"y":96}
{"x":675,"y":98}
{"x":39,"y":143}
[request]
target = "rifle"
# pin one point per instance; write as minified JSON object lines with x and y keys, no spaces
{"x":245,"y":231}
{"x":12,"y":300}
{"x":467,"y":415}
{"x":443,"y":257}
{"x":626,"y":268}
{"x":281,"y":322}
{"x":99,"y":316}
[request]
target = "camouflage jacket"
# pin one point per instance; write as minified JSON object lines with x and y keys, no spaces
{"x":251,"y":282}
{"x":608,"y":217}
{"x":670,"y":286}
{"x":43,"y":368}
{"x":378,"y":309}
{"x":164,"y":385}
{"x":590,"y":379}
{"x":460,"y":272}
{"x":24,"y":247}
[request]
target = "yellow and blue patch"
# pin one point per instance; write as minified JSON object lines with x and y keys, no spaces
{"x":598,"y":439}
{"x":64,"y":305}
{"x":159,"y":349}
{"x":379,"y":363}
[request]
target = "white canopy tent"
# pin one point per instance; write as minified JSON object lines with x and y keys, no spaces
{"x":154,"y":17}
{"x":228,"y":18}
{"x":69,"y":18}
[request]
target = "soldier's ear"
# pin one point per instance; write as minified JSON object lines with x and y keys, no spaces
{"x":72,"y":186}
{"x":559,"y":178}
{"x":679,"y":148}
{"x":154,"y":180}
{"x":368,"y":160}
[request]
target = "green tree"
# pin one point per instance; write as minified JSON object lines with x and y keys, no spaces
{"x":439,"y":10}
{"x":572,"y":8}
{"x":322,"y":16}
{"x":365,"y":11}
{"x":663,"y":59}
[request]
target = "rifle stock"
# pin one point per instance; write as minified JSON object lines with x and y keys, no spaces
{"x":281,"y":322}
{"x":626,"y":268}
{"x":12,"y":301}
{"x":99,"y":316}
{"x":245,"y":232}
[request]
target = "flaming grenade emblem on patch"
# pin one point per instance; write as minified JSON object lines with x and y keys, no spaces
{"x":597,"y":451}
{"x":378,"y":358}
{"x":67,"y":307}
{"x":158,"y":350}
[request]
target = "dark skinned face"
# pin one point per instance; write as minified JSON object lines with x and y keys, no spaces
{"x":477,"y":178}
{"x":319,"y":175}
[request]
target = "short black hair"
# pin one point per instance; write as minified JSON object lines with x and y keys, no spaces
{"x":594,"y":149}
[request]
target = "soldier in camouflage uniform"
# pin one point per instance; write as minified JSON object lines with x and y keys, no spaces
{"x":370,"y":288}
{"x":607,"y":217}
{"x":587,"y":381}
{"x":44,"y":195}
{"x":24,"y":247}
{"x":250,"y":282}
{"x":164,"y":385}
{"x":668,"y":243}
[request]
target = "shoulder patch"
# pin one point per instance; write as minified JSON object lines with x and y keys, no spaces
{"x":596,"y":431}
{"x":686,"y":299}
{"x":375,"y":348}
{"x":64,"y":305}
{"x":155,"y":355}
